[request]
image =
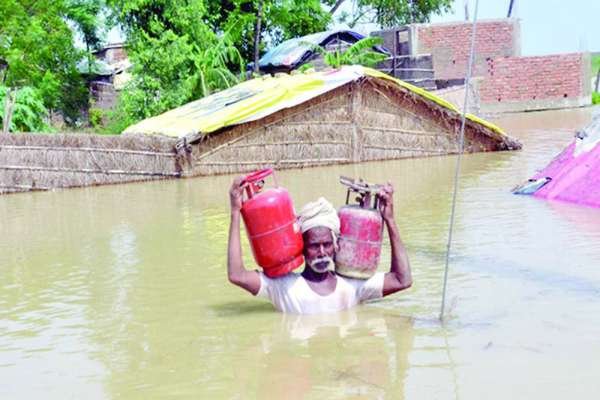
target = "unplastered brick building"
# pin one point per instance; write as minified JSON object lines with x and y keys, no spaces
{"x":536,"y":83}
{"x":506,"y":80}
{"x":450,"y":45}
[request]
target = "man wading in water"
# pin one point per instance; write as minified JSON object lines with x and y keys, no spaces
{"x":318,"y":289}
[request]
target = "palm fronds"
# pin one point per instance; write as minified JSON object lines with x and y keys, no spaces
{"x":360,"y":53}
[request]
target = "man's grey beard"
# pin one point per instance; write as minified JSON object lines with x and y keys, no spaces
{"x":321,"y":264}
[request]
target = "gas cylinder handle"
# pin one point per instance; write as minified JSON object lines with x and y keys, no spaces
{"x":368,"y":193}
{"x":254,"y":182}
{"x":258,"y":175}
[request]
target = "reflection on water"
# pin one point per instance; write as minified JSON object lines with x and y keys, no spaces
{"x":338,"y":356}
{"x":121,"y":292}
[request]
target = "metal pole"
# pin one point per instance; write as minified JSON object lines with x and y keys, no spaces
{"x":458,"y":159}
{"x":510,"y":8}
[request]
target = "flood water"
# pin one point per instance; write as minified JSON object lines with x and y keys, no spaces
{"x":120,"y":292}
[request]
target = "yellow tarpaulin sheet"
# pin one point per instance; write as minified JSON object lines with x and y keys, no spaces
{"x":257,"y":98}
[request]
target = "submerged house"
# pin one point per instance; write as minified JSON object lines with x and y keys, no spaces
{"x":106,"y":74}
{"x":574,"y":175}
{"x":352,"y":114}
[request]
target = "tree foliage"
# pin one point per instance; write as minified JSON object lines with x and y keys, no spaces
{"x":390,"y":13}
{"x":360,"y":53}
{"x":87,"y":18}
{"x":176,"y":57}
{"x":37,"y":49}
{"x":281,"y":20}
{"x":29,"y":111}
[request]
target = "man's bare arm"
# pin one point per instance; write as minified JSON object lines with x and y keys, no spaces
{"x":400,"y":276}
{"x":236,"y":272}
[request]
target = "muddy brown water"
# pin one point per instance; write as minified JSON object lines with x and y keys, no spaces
{"x":120,"y":292}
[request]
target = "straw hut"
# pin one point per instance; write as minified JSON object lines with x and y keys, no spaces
{"x":352,"y":114}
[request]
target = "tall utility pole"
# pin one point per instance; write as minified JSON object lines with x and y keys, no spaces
{"x":257,"y":30}
{"x":466,"y":3}
{"x":510,"y":8}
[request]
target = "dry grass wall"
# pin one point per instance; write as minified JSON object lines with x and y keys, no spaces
{"x":48,"y":161}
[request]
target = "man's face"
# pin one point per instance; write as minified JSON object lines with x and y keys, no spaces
{"x":319,"y":249}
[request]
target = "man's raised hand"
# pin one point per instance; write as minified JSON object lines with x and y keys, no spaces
{"x":386,"y":202}
{"x":236,"y":192}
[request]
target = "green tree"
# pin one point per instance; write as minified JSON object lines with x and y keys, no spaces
{"x":28,"y":110}
{"x":185,"y":49}
{"x":251,"y":23}
{"x":176,"y":57}
{"x":389,"y":13}
{"x":87,"y":16}
{"x":37,"y":50}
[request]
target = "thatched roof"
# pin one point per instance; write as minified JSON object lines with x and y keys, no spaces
{"x":258,"y":98}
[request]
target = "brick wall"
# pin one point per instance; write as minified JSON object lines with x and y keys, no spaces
{"x":528,"y":83}
{"x":449,"y":44}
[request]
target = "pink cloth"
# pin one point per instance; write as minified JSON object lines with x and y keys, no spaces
{"x":574,"y":179}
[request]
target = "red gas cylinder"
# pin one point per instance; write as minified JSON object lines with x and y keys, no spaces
{"x":271,"y":226}
{"x":361,"y":232}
